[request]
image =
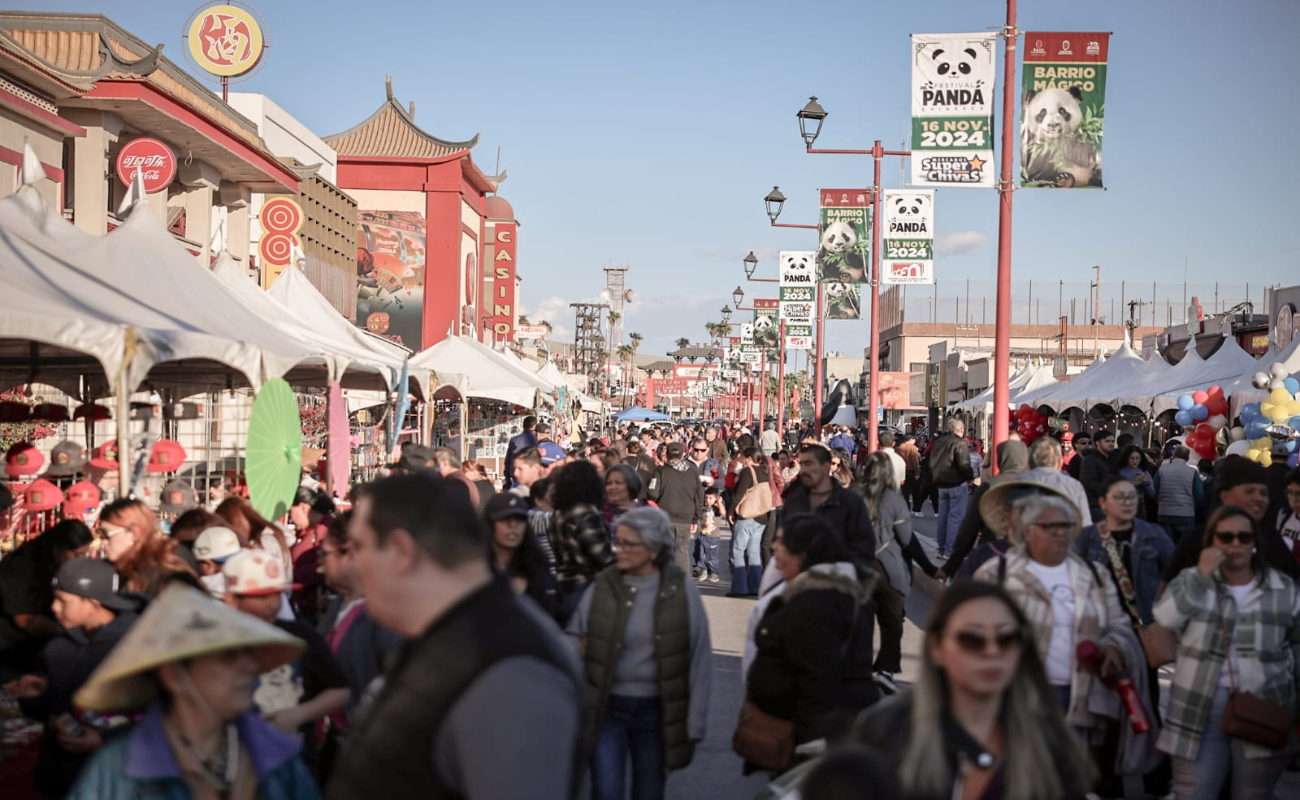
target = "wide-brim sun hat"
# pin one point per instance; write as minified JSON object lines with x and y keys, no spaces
{"x":995,"y":505}
{"x":182,"y":623}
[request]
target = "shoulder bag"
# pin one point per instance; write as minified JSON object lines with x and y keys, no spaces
{"x":1248,"y":717}
{"x":757,"y":500}
{"x":1160,"y":644}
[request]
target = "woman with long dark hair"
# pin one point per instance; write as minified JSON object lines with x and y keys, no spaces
{"x":143,"y":557}
{"x":981,"y":720}
{"x":579,"y":539}
{"x":515,"y":555}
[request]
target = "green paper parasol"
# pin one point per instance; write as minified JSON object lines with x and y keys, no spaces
{"x":273,"y":464}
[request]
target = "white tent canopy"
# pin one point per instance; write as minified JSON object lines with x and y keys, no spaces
{"x":1161,"y":392}
{"x":1039,"y":379}
{"x":132,"y":300}
{"x":487,"y":375}
{"x":1101,"y":382}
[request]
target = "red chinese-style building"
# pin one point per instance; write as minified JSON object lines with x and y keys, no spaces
{"x":422,"y":209}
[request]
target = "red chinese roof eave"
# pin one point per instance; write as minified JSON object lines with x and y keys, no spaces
{"x":39,"y":115}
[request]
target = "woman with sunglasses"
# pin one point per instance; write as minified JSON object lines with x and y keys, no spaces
{"x":1231,"y":600}
{"x":143,"y":557}
{"x":980,"y":721}
{"x":1067,"y":600}
{"x":643,"y":636}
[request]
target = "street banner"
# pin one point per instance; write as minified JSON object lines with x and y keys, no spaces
{"x":731,"y":374}
{"x":798,"y":268}
{"x":751,"y":354}
{"x":908,"y":255}
{"x":845,"y":230}
{"x":1063,"y":108}
{"x":746,"y":333}
{"x":767,"y":327}
{"x":952,"y":109}
{"x":843,"y":300}
{"x":798,"y":337}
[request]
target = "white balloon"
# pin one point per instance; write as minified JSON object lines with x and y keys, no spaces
{"x":1218,"y":421}
{"x":1238,"y":448}
{"x":1236,"y":434}
{"x":1278,"y":370}
{"x":1259,"y":380}
{"x":1276,"y":383}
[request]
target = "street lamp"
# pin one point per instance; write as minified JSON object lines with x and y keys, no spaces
{"x":751,"y":264}
{"x":726,"y":314}
{"x":775,"y":201}
{"x":809,"y":114}
{"x":738,"y":295}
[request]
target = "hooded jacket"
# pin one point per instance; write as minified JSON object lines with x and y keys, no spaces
{"x":814,"y":643}
{"x":676,"y":488}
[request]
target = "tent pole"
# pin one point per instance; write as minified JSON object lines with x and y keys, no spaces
{"x":464,"y":428}
{"x":123,"y":435}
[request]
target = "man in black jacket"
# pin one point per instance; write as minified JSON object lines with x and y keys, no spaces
{"x":677,"y":489}
{"x":1095,"y":468}
{"x":818,"y":493}
{"x":951,"y":469}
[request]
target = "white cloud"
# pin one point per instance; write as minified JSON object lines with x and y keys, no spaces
{"x":554,"y":310}
{"x":951,"y":244}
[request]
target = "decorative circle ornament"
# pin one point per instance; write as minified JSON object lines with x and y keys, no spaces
{"x":225,"y":40}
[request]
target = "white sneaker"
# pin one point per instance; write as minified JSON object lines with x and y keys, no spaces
{"x":916,"y":513}
{"x":885,"y":680}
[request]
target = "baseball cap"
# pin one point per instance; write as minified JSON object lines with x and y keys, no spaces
{"x":416,"y":457}
{"x":177,"y":496}
{"x":167,"y":456}
{"x":674,"y":450}
{"x":67,"y":458}
{"x":41,"y":495}
{"x":255,"y":572}
{"x":23,"y":459}
{"x":216,"y":544}
{"x":49,"y":412}
{"x":93,"y":579}
{"x":105,"y":456}
{"x":82,"y":497}
{"x":543,"y":427}
{"x":13,"y":411}
{"x":550,"y":452}
{"x":504,"y":506}
{"x":1067,"y":437}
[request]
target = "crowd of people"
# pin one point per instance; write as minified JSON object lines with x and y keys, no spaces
{"x":402,"y":643}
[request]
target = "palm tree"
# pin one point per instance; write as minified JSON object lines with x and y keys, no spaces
{"x":523,"y":319}
{"x":625,"y":354}
{"x":683,"y":342}
{"x":547,"y":325}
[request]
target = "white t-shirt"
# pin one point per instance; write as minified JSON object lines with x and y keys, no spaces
{"x":1060,"y":650}
{"x":1289,"y":527}
{"x":1239,"y":597}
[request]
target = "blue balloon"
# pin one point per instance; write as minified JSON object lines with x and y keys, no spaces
{"x":1185,"y":402}
{"x":1200,"y":412}
{"x":1293,"y":460}
{"x":1290,"y":445}
{"x":1250,"y":411}
{"x":1292,"y":385}
{"x":1256,"y":428}
{"x":1183,"y":418}
{"x":1294,"y":422}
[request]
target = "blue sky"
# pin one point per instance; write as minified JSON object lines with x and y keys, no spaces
{"x":648,"y":135}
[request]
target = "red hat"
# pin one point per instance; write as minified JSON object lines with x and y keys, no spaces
{"x":1067,"y":437}
{"x":41,"y":495}
{"x":82,"y":497}
{"x":95,"y":412}
{"x":50,"y":412}
{"x":105,"y":456}
{"x":167,"y":456}
{"x":23,"y":459}
{"x":11,"y":411}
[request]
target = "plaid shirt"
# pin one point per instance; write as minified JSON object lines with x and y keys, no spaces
{"x":1265,"y":632}
{"x":1096,"y":605}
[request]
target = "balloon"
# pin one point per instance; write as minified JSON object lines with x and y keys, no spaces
{"x":1255,"y":429}
{"x":1278,"y":370}
{"x":1204,"y":431}
{"x":1200,"y":412}
{"x":1291,"y":385}
{"x":1217,"y":421}
{"x":1249,"y":411}
{"x":1199,"y":398}
{"x":1259,"y":380}
{"x":1215,"y":391}
{"x":1293,"y":460}
{"x":1276,"y":383}
{"x":1279,"y":395}
{"x":1185,"y":402}
{"x":1236,"y":434}
{"x":1294,"y":422}
{"x":1183,"y":418}
{"x":1239,"y":448}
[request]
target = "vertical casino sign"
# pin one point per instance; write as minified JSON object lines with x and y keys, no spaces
{"x":152,"y":159}
{"x":281,"y":220}
{"x":503,"y":281}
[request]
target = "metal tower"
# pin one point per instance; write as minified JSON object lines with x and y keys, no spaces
{"x":589,"y":340}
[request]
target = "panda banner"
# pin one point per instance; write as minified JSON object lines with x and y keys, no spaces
{"x":843,"y":300}
{"x":767,"y":328}
{"x":798,"y":268}
{"x":1063,"y":108}
{"x":845,"y":228}
{"x":952,"y":109}
{"x":908,"y":255}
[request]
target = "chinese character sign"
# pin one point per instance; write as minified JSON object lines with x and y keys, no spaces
{"x":225,"y":40}
{"x":952,"y":109}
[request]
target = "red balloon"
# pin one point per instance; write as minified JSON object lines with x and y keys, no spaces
{"x":1204,"y":431}
{"x":1215,"y":391}
{"x":1200,"y":397}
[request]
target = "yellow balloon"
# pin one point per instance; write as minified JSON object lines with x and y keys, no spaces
{"x":1280,"y":396}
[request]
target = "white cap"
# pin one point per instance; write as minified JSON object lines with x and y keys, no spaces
{"x":216,"y":544}
{"x":256,"y":572}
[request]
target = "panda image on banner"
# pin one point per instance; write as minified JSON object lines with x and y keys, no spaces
{"x":1050,"y":149}
{"x":799,"y":268}
{"x":839,"y":256}
{"x":765,"y":332}
{"x":841,"y":300}
{"x":908,"y":206}
{"x":762,"y":324}
{"x":957,"y":64}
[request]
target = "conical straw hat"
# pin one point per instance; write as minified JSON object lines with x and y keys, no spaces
{"x":181,"y":623}
{"x":995,"y":505}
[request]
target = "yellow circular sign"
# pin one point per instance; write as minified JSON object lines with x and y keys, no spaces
{"x":225,"y":40}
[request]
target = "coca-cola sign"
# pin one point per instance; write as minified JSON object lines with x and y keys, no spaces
{"x":150,"y":157}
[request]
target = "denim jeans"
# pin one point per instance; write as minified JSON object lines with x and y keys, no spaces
{"x":1251,"y":778}
{"x":1176,"y":525}
{"x":746,"y":541}
{"x":952,"y":507}
{"x":632,"y":725}
{"x":704,"y":554}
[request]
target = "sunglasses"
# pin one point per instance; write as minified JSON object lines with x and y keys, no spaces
{"x":972,"y":642}
{"x":1055,"y":527}
{"x":1229,"y":538}
{"x":699,"y":450}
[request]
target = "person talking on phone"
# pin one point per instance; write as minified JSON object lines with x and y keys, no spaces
{"x":1238,"y":627}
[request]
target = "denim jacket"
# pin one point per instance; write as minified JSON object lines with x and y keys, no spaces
{"x":1152,"y":551}
{"x":141,"y":764}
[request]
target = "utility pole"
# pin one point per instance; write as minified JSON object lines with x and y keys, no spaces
{"x":1096,"y":300}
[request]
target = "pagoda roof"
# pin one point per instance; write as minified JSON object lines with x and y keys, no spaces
{"x":391,"y":132}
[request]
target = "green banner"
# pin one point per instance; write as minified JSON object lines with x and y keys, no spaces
{"x":1063,"y":110}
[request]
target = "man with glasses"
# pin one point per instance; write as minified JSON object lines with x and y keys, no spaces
{"x":1096,"y":469}
{"x":1082,"y":444}
{"x":704,"y":548}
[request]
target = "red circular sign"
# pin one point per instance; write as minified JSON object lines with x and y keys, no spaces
{"x":151,"y":157}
